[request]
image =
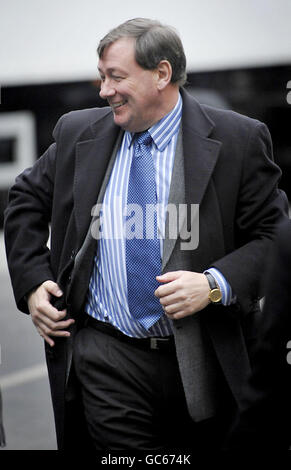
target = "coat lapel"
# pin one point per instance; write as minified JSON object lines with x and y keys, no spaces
{"x":200,"y":155}
{"x":200,"y":151}
{"x":176,"y":197}
{"x":92,"y":158}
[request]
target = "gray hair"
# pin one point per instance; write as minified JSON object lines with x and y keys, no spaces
{"x":153,"y":42}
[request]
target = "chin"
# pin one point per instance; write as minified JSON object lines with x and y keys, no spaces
{"x":121,"y":122}
{"x":123,"y":125}
{"x":128,"y":124}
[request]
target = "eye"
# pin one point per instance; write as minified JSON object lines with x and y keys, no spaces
{"x":117,"y":78}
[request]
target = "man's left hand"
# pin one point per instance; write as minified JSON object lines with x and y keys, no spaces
{"x":184,"y":293}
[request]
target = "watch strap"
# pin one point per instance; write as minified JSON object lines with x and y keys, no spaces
{"x":211,"y":281}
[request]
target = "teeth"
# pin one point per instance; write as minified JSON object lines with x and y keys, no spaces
{"x":117,"y":105}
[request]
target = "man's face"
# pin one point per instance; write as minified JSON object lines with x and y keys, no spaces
{"x":130,"y":90}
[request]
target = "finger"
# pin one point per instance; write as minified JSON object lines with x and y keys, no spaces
{"x":180,"y":310}
{"x":173,"y":309}
{"x":165,"y":290}
{"x":168,"y":277}
{"x":169,"y":299}
{"x":44,"y":308}
{"x":59,"y":325}
{"x":52,"y":288}
{"x":59,"y":334}
{"x":177,"y":315}
{"x":62,"y":325}
{"x":45,"y":337}
{"x":46,"y":331}
{"x":41,"y":318}
{"x":48,"y":340}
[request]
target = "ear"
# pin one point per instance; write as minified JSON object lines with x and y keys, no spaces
{"x":164,"y":74}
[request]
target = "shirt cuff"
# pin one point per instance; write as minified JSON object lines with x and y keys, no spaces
{"x":227,"y":295}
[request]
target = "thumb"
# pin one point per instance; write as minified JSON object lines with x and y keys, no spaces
{"x":168,"y":277}
{"x":52,"y":288}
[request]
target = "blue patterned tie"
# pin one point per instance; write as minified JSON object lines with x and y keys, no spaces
{"x":143,"y":258}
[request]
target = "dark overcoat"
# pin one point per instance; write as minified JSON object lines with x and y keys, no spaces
{"x":228,"y":171}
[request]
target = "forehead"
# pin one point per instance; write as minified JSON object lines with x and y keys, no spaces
{"x":119,"y":54}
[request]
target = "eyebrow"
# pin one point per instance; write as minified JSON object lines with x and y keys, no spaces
{"x":111,"y":70}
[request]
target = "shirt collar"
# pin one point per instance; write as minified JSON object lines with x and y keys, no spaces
{"x":163,"y":131}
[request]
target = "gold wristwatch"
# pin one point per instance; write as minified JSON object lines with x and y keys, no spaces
{"x":215,"y":294}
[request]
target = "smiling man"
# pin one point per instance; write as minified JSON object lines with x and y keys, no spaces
{"x":146,"y":341}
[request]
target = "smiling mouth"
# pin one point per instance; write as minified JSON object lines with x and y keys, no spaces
{"x":117,"y":105}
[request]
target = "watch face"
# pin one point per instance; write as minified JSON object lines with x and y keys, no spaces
{"x":215,"y":295}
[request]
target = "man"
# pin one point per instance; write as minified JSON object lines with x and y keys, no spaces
{"x":148,"y":343}
{"x":264,"y":421}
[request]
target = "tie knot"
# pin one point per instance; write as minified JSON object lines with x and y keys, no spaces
{"x":144,"y":138}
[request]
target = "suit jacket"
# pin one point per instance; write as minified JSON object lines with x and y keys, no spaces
{"x":265,"y":410}
{"x":228,"y":171}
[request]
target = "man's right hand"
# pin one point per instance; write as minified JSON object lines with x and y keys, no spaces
{"x":46,"y":318}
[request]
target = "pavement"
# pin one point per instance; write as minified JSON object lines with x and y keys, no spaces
{"x":27,"y":408}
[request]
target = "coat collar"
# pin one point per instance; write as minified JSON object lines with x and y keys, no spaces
{"x":194,"y":116}
{"x":200,"y":151}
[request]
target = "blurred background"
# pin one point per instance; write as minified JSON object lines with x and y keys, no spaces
{"x":239,"y":57}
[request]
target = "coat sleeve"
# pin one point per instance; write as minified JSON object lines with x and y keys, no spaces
{"x":26,"y":225}
{"x":265,"y":411}
{"x":260,"y":207}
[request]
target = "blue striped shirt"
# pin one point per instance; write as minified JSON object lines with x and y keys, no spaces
{"x":107,"y":294}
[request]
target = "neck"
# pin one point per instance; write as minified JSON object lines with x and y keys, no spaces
{"x":166,"y":102}
{"x":169,"y":98}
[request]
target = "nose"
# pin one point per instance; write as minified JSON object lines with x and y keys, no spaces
{"x":106,"y":90}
